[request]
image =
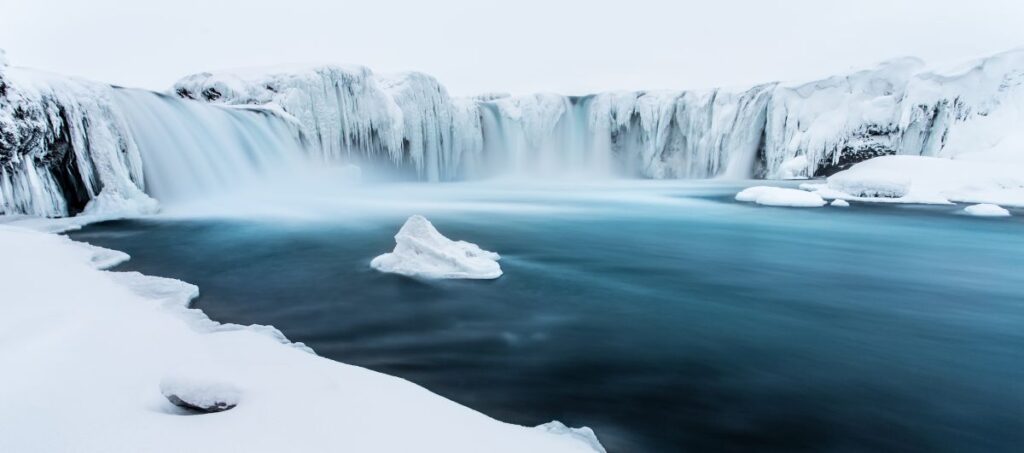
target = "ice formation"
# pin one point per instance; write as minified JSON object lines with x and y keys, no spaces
{"x":66,"y":142}
{"x":840,"y":203}
{"x":350,"y":112}
{"x":422,"y":251}
{"x":780,"y":196}
{"x":63,"y":142}
{"x":69,"y":147}
{"x":987,"y":210}
{"x":777,"y":130}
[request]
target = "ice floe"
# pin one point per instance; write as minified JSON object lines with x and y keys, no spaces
{"x":422,"y":251}
{"x":780,"y":196}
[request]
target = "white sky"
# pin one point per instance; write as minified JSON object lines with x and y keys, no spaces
{"x":516,"y":46}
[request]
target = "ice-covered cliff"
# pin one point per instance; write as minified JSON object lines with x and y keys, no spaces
{"x":776,"y":130}
{"x":64,"y":147}
{"x":65,"y":141}
{"x":350,"y":112}
{"x":70,"y":146}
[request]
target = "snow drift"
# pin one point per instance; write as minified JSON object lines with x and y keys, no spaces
{"x":422,"y":251}
{"x":91,"y":359}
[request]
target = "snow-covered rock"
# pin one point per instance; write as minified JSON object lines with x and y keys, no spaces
{"x":840,"y":203}
{"x":987,"y":210}
{"x":780,"y":196}
{"x":422,"y":251}
{"x":199,"y":394}
{"x":929,"y":180}
{"x":85,"y":357}
{"x":63,"y":143}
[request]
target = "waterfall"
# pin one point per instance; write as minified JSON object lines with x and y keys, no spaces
{"x":191,"y":150}
{"x":69,"y":146}
{"x":542,"y":136}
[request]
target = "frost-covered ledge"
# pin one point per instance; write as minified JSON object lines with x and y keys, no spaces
{"x":84,"y":352}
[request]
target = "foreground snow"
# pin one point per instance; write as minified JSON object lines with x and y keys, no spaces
{"x":84,"y":353}
{"x":927,"y":180}
{"x":780,"y":196}
{"x":422,"y":251}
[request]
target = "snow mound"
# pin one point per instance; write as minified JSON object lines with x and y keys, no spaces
{"x":200,"y":394}
{"x":584,"y":434}
{"x":779,"y":196}
{"x":840,"y":203}
{"x":987,"y":210}
{"x":928,"y":180}
{"x":422,"y":251}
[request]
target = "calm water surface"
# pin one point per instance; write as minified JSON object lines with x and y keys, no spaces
{"x":666,"y":318}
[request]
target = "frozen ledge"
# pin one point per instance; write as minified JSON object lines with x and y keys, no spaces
{"x":89,"y":353}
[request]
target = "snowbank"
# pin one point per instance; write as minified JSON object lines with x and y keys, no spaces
{"x":987,"y":210}
{"x":780,"y":196}
{"x":927,"y":180}
{"x":422,"y":251}
{"x":84,"y":356}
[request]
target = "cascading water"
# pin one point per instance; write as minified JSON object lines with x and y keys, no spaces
{"x":542,"y":136}
{"x":190,"y":150}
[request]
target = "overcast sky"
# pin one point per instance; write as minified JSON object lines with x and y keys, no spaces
{"x":516,"y":46}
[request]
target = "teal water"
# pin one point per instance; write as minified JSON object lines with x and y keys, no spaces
{"x":665,"y":316}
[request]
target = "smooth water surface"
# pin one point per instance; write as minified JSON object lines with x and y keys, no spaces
{"x":665,"y":316}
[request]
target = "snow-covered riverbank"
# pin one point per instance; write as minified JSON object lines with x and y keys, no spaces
{"x":85,"y":351}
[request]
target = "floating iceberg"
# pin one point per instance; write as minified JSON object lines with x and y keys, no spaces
{"x":422,"y":251}
{"x":780,"y":196}
{"x":987,"y":210}
{"x":840,"y":203}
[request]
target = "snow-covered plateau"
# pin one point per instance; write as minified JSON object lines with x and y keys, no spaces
{"x":65,"y":143}
{"x":422,"y":251}
{"x":91,"y":358}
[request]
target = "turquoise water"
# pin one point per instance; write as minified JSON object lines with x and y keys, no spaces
{"x":665,"y":316}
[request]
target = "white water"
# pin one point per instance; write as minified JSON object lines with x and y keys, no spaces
{"x":190,"y":150}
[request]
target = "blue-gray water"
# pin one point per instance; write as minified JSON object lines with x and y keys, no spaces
{"x":684,"y":322}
